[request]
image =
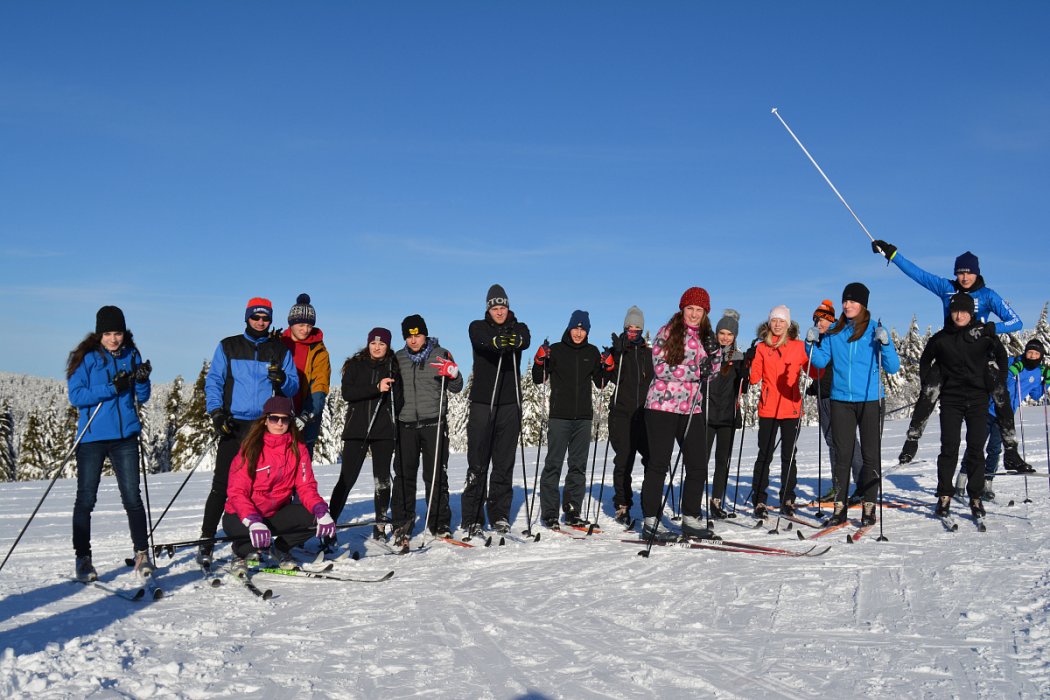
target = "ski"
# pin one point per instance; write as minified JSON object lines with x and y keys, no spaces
{"x":796,"y":519}
{"x":826,"y":530}
{"x":210,"y":577}
{"x":246,"y":581}
{"x":133,"y":594}
{"x":322,"y":575}
{"x":978,"y":520}
{"x":518,"y":540}
{"x":486,"y":539}
{"x":949,"y":523}
{"x":1044,"y":474}
{"x":725,"y":547}
{"x":454,"y":542}
{"x":858,"y":534}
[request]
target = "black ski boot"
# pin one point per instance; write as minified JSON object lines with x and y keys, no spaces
{"x":867,"y":513}
{"x":977,"y":507}
{"x":787,"y":508}
{"x":716,"y":511}
{"x":838,"y":515}
{"x":551,"y":523}
{"x":204,"y":558}
{"x":623,"y":515}
{"x":760,"y":511}
{"x":989,"y":494}
{"x":84,"y":570}
{"x":943,"y":506}
{"x":1013,"y":462}
{"x":908,"y":451}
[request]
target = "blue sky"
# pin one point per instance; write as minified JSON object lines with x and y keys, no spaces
{"x":176,"y":159}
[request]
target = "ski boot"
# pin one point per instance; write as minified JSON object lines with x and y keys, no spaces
{"x":551,"y":523}
{"x":239,"y":567}
{"x":716,"y":510}
{"x":977,"y":507}
{"x":787,"y":508}
{"x":960,"y":485}
{"x":204,"y":557}
{"x":84,"y":569}
{"x":693,"y":528}
{"x":838,"y":515}
{"x":867,"y":513}
{"x":623,"y":515}
{"x":443,"y":532}
{"x":143,"y":566}
{"x":760,"y":511}
{"x":285,"y":560}
{"x":501,"y":526}
{"x":908,"y":451}
{"x":989,"y":494}
{"x":650,"y":528}
{"x":943,"y":506}
{"x":829,"y":497}
{"x":1013,"y":462}
{"x":379,"y":530}
{"x":475,"y":530}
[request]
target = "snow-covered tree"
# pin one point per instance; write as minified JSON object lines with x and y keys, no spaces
{"x":1042,"y":329}
{"x":458,"y":413}
{"x":8,"y":465}
{"x":194,"y":436}
{"x":329,"y":445}
{"x":164,"y":442}
{"x":33,"y":456}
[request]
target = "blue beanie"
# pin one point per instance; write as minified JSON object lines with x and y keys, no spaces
{"x":580,"y":319}
{"x":967,"y":262}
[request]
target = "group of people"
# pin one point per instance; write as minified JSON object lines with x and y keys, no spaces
{"x":266,"y":390}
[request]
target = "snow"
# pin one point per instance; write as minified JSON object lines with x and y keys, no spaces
{"x":926,"y":614}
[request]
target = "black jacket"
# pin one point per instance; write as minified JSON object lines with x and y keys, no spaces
{"x":487,"y":360}
{"x":963,"y":363}
{"x":361,"y":391}
{"x":571,"y":369}
{"x":634,"y":368}
{"x":725,"y":389}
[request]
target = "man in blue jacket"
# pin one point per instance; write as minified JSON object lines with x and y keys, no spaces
{"x":246,"y":370}
{"x":987,"y":302}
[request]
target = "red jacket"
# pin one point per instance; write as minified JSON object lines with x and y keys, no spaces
{"x":276,"y":477}
{"x":779,"y":369}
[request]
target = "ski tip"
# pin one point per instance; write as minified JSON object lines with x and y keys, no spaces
{"x":849,"y":539}
{"x":356,"y":556}
{"x":644,"y":553}
{"x":158,"y":594}
{"x":267,"y":594}
{"x":502,"y":541}
{"x":389,"y":575}
{"x":488,"y":541}
{"x":800,"y":535}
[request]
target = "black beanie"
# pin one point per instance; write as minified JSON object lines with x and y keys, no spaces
{"x":961,"y":301}
{"x":496,"y":297}
{"x":855,"y":291}
{"x":1034,"y":344}
{"x":110,"y":318}
{"x":302,"y":312}
{"x":413,"y":325}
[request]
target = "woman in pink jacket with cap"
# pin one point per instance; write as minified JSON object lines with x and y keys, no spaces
{"x":272,"y":464}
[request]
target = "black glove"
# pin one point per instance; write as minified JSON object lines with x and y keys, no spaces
{"x":142,"y":372}
{"x":276,"y":333}
{"x":887,"y":250}
{"x":122,"y":381}
{"x":749,"y":356}
{"x":703,"y":367}
{"x":303,"y":419}
{"x":276,"y":375}
{"x":222,"y":422}
{"x":508,"y":341}
{"x":710,"y":344}
{"x":617,"y":344}
{"x":984,"y":330}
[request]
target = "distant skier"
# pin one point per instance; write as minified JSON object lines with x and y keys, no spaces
{"x":723,"y":409}
{"x":856,"y":348}
{"x":106,"y":371}
{"x":306,"y":343}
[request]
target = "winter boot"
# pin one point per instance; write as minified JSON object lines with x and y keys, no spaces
{"x":989,"y":494}
{"x":867,"y":513}
{"x":475,"y":530}
{"x":760,"y":511}
{"x":501,"y":526}
{"x":551,"y":523}
{"x":1013,"y":462}
{"x":204,"y":554}
{"x":787,"y":508}
{"x":908,"y":451}
{"x":649,"y":527}
{"x":717,"y":513}
{"x":977,"y":507}
{"x":143,"y":566}
{"x":84,"y":570}
{"x":285,"y":560}
{"x":239,"y":567}
{"x":443,"y":532}
{"x":694,"y":527}
{"x":838,"y":515}
{"x":623,"y":515}
{"x":960,"y":485}
{"x":943,"y":506}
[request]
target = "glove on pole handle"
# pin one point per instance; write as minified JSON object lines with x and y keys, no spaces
{"x":833,"y":189}
{"x":52,"y":483}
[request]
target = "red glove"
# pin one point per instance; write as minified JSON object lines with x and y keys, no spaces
{"x":608,"y":363}
{"x":446,"y":368}
{"x":542,"y":354}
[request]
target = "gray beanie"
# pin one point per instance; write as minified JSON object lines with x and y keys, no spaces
{"x":634,"y":317}
{"x":730,"y":321}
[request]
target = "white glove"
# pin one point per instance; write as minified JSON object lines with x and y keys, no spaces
{"x":812,"y":335}
{"x":258,"y":533}
{"x":882,"y":336}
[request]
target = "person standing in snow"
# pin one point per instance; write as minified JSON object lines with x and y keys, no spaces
{"x":856,"y":349}
{"x":778,"y":361}
{"x":823,"y":317}
{"x":572,"y":366}
{"x":427,"y":371}
{"x":683,"y":352}
{"x":633,"y":359}
{"x":106,"y":372}
{"x":246,"y":370}
{"x":272,"y":465}
{"x":960,"y":352}
{"x":494,"y":423}
{"x":968,"y":280}
{"x":312,"y":364}
{"x":1027,"y":379}
{"x":372,"y":389}
{"x":723,"y":410}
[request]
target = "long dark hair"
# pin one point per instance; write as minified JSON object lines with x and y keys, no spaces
{"x":252,"y":445}
{"x":674,"y":344}
{"x":860,"y":324}
{"x":363,"y":354}
{"x":92,"y":342}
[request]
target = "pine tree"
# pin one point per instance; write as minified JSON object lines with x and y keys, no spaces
{"x":146,"y":438}
{"x":534,"y":399}
{"x":1042,"y":329}
{"x":8,"y":465}
{"x":329,"y":445}
{"x":164,"y":443}
{"x":457,"y":416}
{"x":193,"y":437}
{"x":32,"y":457}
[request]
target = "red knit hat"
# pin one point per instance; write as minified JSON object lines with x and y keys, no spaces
{"x":258,"y":305}
{"x":825,"y":311}
{"x":695,"y":296}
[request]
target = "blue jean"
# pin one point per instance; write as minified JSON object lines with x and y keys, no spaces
{"x":994,"y":448}
{"x":124,"y":455}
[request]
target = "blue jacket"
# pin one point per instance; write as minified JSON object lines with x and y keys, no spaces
{"x":92,"y":383}
{"x":855,"y":366}
{"x":1023,"y":383}
{"x":237,"y":379}
{"x":986,"y":300}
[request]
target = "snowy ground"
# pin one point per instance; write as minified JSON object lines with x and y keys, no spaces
{"x":926,"y":614}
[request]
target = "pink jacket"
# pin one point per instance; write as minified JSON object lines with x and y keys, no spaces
{"x":276,"y":477}
{"x":674,"y":387}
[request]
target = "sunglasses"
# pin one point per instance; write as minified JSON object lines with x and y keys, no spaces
{"x":280,"y":420}
{"x":257,"y":317}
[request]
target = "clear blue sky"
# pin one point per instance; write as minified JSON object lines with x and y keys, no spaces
{"x":176,"y":159}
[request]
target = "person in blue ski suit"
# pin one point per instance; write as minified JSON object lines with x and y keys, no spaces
{"x":987,"y":302}
{"x":246,"y":370}
{"x":1027,"y":379}
{"x":107,"y":379}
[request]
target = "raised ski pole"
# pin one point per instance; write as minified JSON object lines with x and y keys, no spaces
{"x":54,"y":478}
{"x":437,"y":455}
{"x":605,"y":460}
{"x":833,"y":189}
{"x":145,"y":470}
{"x":521,"y":439}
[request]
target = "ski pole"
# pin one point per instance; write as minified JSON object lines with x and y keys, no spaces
{"x":794,"y":444}
{"x":521,"y":439}
{"x":145,"y":470}
{"x":170,"y":547}
{"x":594,"y":458}
{"x":605,"y":460}
{"x":54,"y":478}
{"x":1020,"y":419}
{"x":437,"y":454}
{"x":740,"y":448}
{"x":200,"y":461}
{"x":491,"y":429}
{"x":820,"y":450}
{"x":833,"y":189}
{"x":882,"y":426}
{"x":539,"y":444}
{"x":1046,"y":431}
{"x":397,"y":466}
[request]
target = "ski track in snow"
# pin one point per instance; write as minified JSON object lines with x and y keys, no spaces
{"x":928,"y":614}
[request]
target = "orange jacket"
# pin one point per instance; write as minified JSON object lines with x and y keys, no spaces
{"x":779,"y":370}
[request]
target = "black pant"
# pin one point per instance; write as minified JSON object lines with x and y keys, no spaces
{"x":214,"y":506}
{"x":846,"y":418}
{"x":293,"y":519}
{"x":767,"y":439}
{"x":930,"y":391}
{"x":564,"y":435}
{"x":422,"y":440}
{"x":723,"y":435}
{"x":492,"y":437}
{"x":953,"y":414}
{"x":353,"y":458}
{"x":627,"y":437}
{"x":664,"y":430}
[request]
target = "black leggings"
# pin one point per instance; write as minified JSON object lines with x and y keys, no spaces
{"x":723,"y":435}
{"x":767,"y":439}
{"x":665,"y":429}
{"x":846,"y":418}
{"x":353,"y":458}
